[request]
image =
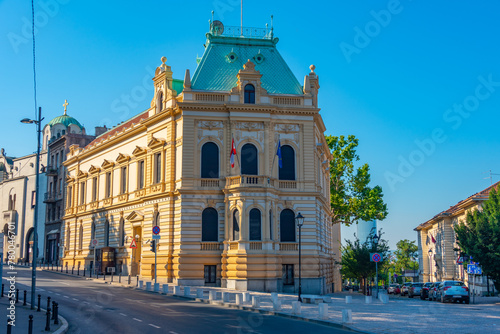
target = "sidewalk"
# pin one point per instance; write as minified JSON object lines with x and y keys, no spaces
{"x":22,"y":314}
{"x":399,"y":314}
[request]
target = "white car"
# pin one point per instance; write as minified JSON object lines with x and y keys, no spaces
{"x":454,"y":291}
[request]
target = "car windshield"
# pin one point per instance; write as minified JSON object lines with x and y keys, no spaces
{"x":418,"y":284}
{"x":453,"y":283}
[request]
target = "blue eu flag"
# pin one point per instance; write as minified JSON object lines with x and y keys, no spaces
{"x":278,"y":153}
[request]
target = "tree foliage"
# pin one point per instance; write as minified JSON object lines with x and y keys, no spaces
{"x":351,"y":196}
{"x":355,"y":260}
{"x":406,"y":253}
{"x":479,"y":236}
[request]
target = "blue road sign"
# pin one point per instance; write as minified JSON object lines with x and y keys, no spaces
{"x":474,"y":269}
{"x":375,"y":257}
{"x":156,"y":230}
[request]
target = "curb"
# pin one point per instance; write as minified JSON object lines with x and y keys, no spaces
{"x":220,"y":303}
{"x":64,"y":324}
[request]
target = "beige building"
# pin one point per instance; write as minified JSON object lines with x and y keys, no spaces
{"x":170,"y":166}
{"x":437,"y":247}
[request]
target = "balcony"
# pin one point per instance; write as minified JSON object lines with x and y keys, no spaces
{"x":211,"y":246}
{"x":51,"y":197}
{"x":52,"y":171}
{"x":289,"y":247}
{"x":249,"y":181}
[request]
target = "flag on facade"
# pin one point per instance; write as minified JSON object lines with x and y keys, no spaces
{"x":233,"y":154}
{"x":278,"y":153}
{"x":433,"y":240}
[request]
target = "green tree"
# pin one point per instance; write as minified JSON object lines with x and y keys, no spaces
{"x":479,"y":237}
{"x":356,"y":262}
{"x":406,"y":254}
{"x":351,"y":197}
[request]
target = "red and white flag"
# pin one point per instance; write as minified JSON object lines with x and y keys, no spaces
{"x":233,"y":154}
{"x":433,"y":240}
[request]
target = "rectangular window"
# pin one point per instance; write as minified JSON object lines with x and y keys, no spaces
{"x":82,"y":193}
{"x":57,"y":160}
{"x":157,"y":168}
{"x":140,"y":175}
{"x":94,"y":189}
{"x":108,"y":184}
{"x":70,"y":196}
{"x":33,"y":199}
{"x":288,"y":274}
{"x":210,"y":274}
{"x":123,"y":185}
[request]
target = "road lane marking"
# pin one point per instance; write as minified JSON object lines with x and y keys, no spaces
{"x":137,"y":319}
{"x":75,"y":299}
{"x":64,"y":283}
{"x":58,"y":294}
{"x":66,"y":297}
{"x":172,"y":332}
{"x":154,"y":326}
{"x":40,"y":289}
{"x":99,"y":306}
{"x":123,"y":314}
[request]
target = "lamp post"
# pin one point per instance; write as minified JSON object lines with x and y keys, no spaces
{"x":38,"y":122}
{"x":375,"y":240}
{"x":430,"y":265}
{"x":300,"y":222}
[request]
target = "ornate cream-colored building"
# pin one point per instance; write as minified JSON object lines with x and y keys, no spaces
{"x":170,"y":166}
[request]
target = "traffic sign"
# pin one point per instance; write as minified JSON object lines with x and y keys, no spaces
{"x":460,"y":260}
{"x":156,"y":229}
{"x":375,"y":257}
{"x":474,"y":269}
{"x":95,"y":242}
{"x":133,"y":244}
{"x":156,"y":236}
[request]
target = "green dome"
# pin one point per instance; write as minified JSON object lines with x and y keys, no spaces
{"x":64,"y":120}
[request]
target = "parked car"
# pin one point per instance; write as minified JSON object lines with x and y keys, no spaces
{"x":404,"y":289}
{"x":415,"y":289}
{"x":393,"y":288}
{"x":424,"y":293}
{"x":454,"y":291}
{"x":433,"y":290}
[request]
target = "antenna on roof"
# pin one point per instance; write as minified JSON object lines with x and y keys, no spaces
{"x":490,"y":177}
{"x":241,"y":17}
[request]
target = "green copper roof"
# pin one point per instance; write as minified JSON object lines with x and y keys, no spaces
{"x":178,"y":85}
{"x":225,"y":56}
{"x":64,"y":120}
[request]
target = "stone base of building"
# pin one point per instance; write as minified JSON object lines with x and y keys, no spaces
{"x":312,"y":286}
{"x":190,"y":282}
{"x":264,"y":285}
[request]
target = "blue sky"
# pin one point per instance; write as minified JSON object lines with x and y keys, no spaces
{"x":418,"y":82}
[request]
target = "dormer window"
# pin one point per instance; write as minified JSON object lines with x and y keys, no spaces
{"x":250,"y":94}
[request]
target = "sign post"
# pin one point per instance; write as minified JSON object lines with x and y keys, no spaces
{"x":376,"y":257}
{"x":156,"y":235}
{"x":474,"y":269}
{"x":95,"y":242}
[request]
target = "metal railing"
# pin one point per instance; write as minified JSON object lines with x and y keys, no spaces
{"x":248,"y":32}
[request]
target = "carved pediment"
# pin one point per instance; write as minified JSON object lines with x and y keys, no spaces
{"x":135,"y":215}
{"x":122,"y":158}
{"x":69,"y":179}
{"x":94,"y":170}
{"x":82,"y":174}
{"x":155,"y":142}
{"x":139,"y":151}
{"x":107,"y":164}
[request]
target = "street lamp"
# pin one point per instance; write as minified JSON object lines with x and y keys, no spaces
{"x":300,"y":222}
{"x":430,"y":264}
{"x":375,"y":240}
{"x":35,"y":221}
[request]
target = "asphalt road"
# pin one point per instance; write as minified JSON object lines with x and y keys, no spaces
{"x":93,"y":308}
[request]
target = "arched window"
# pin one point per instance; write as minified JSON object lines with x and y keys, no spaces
{"x":209,"y":225}
{"x":210,"y":161}
{"x":250,"y":94}
{"x":159,"y":101}
{"x":255,"y":225}
{"x":122,"y":232}
{"x":236,"y":225}
{"x":271,"y":224}
{"x":287,"y":226}
{"x":287,"y":171}
{"x":106,"y":233}
{"x":249,"y":160}
{"x":80,"y":237}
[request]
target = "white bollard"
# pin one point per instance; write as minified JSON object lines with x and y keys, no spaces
{"x":212,"y":295}
{"x":274,"y":296}
{"x":165,"y":288}
{"x":239,"y":299}
{"x":246,"y":297}
{"x":296,"y":307}
{"x":177,"y":290}
{"x":187,"y":291}
{"x":327,"y":299}
{"x":255,"y":301}
{"x":141,"y":284}
{"x":348,"y":299}
{"x":225,"y":297}
{"x":276,"y":304}
{"x":199,"y":293}
{"x":156,"y":287}
{"x":148,"y":286}
{"x":323,"y":311}
{"x":384,"y":298}
{"x":346,"y":316}
{"x":368,"y":299}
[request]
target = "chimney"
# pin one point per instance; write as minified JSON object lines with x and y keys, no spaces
{"x":99,"y":130}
